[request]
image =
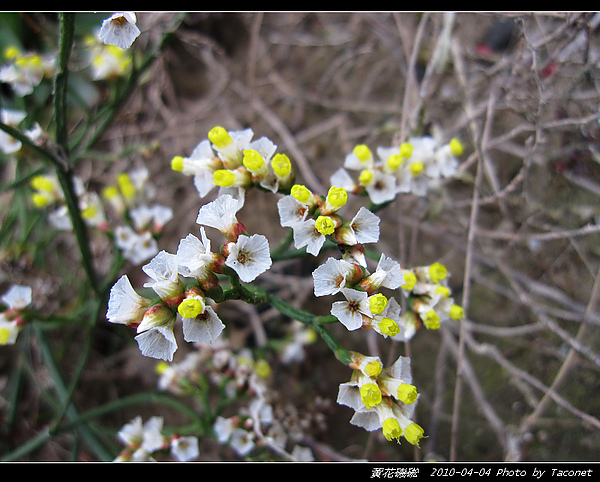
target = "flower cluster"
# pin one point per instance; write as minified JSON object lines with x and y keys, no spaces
{"x":315,"y":218}
{"x":14,"y":303}
{"x":107,"y":62}
{"x":139,"y":219}
{"x":144,"y":442}
{"x":363,"y":307}
{"x":182,"y":280}
{"x":13,"y":118}
{"x":240,"y":376}
{"x":25,"y":70}
{"x":429,"y":299}
{"x":233,"y":162}
{"x":382,"y":398}
{"x":413,"y":167}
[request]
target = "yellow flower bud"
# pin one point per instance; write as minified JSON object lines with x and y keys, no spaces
{"x":410,"y":279}
{"x":325,"y":225}
{"x":431,"y":320}
{"x":457,"y":312}
{"x":413,"y":433}
{"x":406,"y":149}
{"x":190,"y":307}
{"x":177,"y":163}
{"x":416,"y":168}
{"x":437,"y":272}
{"x":389,"y":327}
{"x":370,"y":394}
{"x":394,"y":161}
{"x":391,"y":429}
{"x":300,"y":193}
{"x":377,"y":303}
{"x":262,"y":368}
{"x":337,"y":196}
{"x":407,"y":393}
{"x":220,"y":137}
{"x":362,"y":152}
{"x":365,"y":177}
{"x":223,"y":178}
{"x":253,"y":161}
{"x":281,"y":165}
{"x":125,"y":185}
{"x":456,"y":147}
{"x":373,"y":368}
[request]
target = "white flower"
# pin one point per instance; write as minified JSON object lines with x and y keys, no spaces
{"x":223,"y":429}
{"x":365,"y":225}
{"x":230,"y":145}
{"x":342,"y":178}
{"x":205,"y":328}
{"x":382,"y":187}
{"x":306,"y":234}
{"x":194,"y":257}
{"x":147,"y":436}
{"x":185,"y":449}
{"x":249,"y":256}
{"x":120,"y":29}
{"x":125,"y":306}
{"x":151,"y":217}
{"x":387,"y":274}
{"x":13,"y":118}
{"x":242,"y":441}
{"x":162,"y":269}
{"x":351,"y":312}
{"x":330,"y":277}
{"x":136,"y":247}
{"x":220,"y":213}
{"x":17,"y":297}
{"x":291,"y":211}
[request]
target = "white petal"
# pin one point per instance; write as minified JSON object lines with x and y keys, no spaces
{"x":17,"y":296}
{"x":158,"y":343}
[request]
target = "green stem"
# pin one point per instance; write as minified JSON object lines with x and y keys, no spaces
{"x":258,"y":296}
{"x":67,"y":30}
